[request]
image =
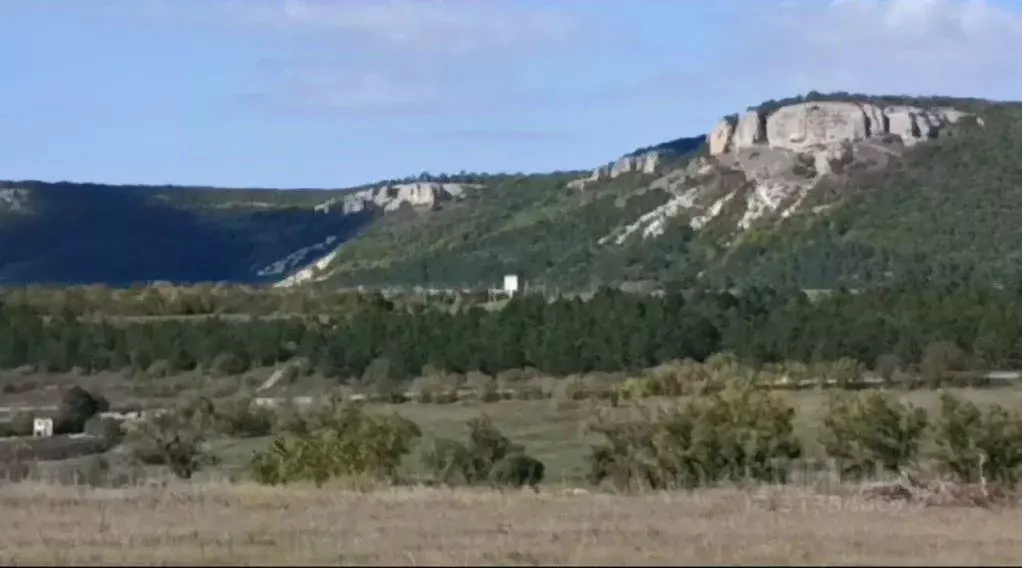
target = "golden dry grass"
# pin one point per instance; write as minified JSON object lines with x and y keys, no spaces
{"x":245,"y":524}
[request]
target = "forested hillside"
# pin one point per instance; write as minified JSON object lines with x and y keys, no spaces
{"x":668,"y":215}
{"x":67,"y":233}
{"x":946,"y":213}
{"x":941,"y":209}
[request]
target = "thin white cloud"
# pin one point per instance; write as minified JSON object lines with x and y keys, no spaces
{"x":455,"y":26}
{"x":897,"y":46}
{"x":409,"y":57}
{"x":402,"y":57}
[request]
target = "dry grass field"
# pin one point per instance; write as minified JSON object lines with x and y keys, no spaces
{"x":246,"y":524}
{"x":210,"y":521}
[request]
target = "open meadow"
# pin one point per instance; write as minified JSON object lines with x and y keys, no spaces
{"x":221,"y":516}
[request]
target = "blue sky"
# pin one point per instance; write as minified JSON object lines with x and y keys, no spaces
{"x":333,"y":93}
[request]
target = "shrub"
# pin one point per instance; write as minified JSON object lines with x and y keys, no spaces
{"x":227,"y":364}
{"x":517,"y":470}
{"x":169,"y":439}
{"x":844,"y":372}
{"x":199,"y":413}
{"x":449,"y":462}
{"x":531,"y":389}
{"x":678,"y":377}
{"x":338,"y":440}
{"x":76,"y":408}
{"x":484,"y":386}
{"x":426,"y":388}
{"x":886,"y":366}
{"x":452,"y":462}
{"x":940,"y":358}
{"x":633,"y":389}
{"x":105,"y":428}
{"x":736,"y":433}
{"x":973,"y":445}
{"x":870,"y":430}
{"x":20,"y":425}
{"x":160,"y":369}
{"x":571,"y":388}
{"x":15,"y":464}
{"x":242,"y":418}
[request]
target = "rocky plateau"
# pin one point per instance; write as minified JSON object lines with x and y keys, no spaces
{"x":762,"y":166}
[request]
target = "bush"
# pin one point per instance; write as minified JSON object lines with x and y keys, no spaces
{"x":339,"y":440}
{"x":518,"y":470}
{"x":19,"y":426}
{"x":736,"y":433}
{"x":199,"y":413}
{"x":487,"y":456}
{"x":227,"y":364}
{"x":677,"y":378}
{"x":243,"y":418}
{"x":105,"y":428}
{"x":449,"y":462}
{"x":160,"y":369}
{"x":973,"y":445}
{"x":844,"y":372}
{"x":76,"y":408}
{"x":868,"y":431}
{"x":169,"y":439}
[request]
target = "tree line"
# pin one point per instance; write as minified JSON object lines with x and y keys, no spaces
{"x":612,"y":331}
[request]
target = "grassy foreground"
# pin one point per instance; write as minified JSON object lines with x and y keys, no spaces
{"x":247,"y":524}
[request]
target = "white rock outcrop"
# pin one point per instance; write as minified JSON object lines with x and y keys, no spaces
{"x":298,"y":258}
{"x":421,"y":194}
{"x":15,"y":200}
{"x":646,"y":163}
{"x":750,"y":131}
{"x":311,"y":273}
{"x":804,"y":126}
{"x":781,"y":158}
{"x":720,"y":138}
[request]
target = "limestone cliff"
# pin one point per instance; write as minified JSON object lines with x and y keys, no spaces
{"x":391,"y":197}
{"x":645,"y":160}
{"x":644,"y":163}
{"x":807,"y":125}
{"x":765,"y":166}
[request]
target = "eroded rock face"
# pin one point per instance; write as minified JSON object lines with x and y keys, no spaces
{"x":15,"y":200}
{"x":801,"y":126}
{"x":776,"y":161}
{"x":390,"y":198}
{"x":645,"y":163}
{"x":809,"y":125}
{"x":751,"y":131}
{"x":720,"y":138}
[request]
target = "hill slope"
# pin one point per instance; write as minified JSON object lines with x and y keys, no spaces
{"x":77,"y":233}
{"x":816,"y":192}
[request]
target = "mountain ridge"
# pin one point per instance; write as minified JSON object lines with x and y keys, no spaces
{"x":719,"y":206}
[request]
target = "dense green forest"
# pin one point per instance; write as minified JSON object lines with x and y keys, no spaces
{"x":613,"y":331}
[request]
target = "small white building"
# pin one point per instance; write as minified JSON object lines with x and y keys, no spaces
{"x":42,"y":427}
{"x":511,"y":287}
{"x":511,"y":284}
